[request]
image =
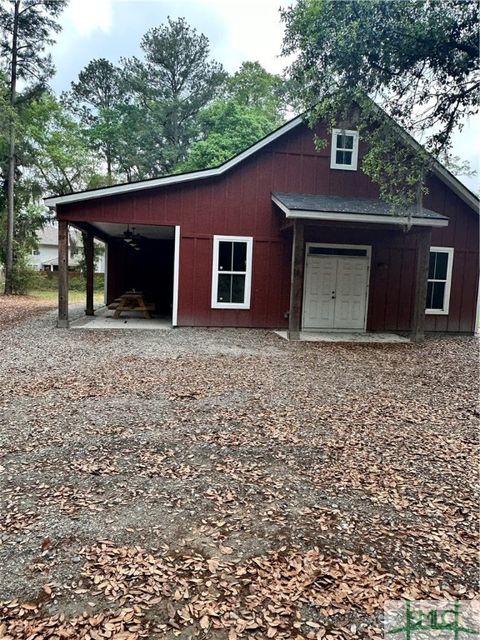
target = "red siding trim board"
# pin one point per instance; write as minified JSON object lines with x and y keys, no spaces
{"x":239,"y":203}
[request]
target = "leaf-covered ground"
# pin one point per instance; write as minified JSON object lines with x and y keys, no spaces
{"x":15,"y":309}
{"x":226,"y":484}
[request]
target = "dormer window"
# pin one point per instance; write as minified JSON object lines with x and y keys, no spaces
{"x":344,"y":149}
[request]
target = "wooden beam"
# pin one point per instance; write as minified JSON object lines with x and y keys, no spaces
{"x":296,"y":281}
{"x":62,"y":321}
{"x":421,"y":283}
{"x":88,"y":247}
{"x":90,"y":228}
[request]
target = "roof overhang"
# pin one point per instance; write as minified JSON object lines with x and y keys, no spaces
{"x":437,"y":169}
{"x":358,"y":217}
{"x":180,"y":178}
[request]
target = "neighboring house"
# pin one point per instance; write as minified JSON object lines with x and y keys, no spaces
{"x":45,"y":258}
{"x":287,"y":235}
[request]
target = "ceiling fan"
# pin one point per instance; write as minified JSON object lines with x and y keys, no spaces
{"x":132,"y":238}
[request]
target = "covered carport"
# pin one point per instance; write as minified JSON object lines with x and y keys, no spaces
{"x":143,"y":258}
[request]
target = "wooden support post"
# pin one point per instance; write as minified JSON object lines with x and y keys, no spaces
{"x":62,"y":274}
{"x":421,"y":282}
{"x":296,"y":281}
{"x":88,"y":246}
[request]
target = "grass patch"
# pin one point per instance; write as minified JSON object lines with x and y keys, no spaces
{"x":74,"y":297}
{"x":44,"y":285}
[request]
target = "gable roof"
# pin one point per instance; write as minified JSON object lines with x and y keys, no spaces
{"x":176,"y":178}
{"x":438,"y":169}
{"x":48,"y":235}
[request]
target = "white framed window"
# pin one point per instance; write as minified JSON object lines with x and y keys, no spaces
{"x":439,"y":280}
{"x":232,"y":272}
{"x":344,"y":153}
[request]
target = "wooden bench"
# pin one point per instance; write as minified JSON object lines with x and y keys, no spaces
{"x":131,"y":301}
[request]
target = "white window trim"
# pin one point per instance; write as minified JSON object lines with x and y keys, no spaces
{"x":333,"y":153}
{"x":448,"y":282}
{"x":248,"y":274}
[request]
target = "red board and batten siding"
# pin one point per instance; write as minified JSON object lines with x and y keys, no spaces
{"x":239,"y":203}
{"x":462,"y":234}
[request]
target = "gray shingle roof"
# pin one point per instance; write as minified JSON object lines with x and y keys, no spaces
{"x":340,"y":204}
{"x":48,"y":235}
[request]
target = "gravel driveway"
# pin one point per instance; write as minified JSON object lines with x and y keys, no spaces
{"x":228,"y":484}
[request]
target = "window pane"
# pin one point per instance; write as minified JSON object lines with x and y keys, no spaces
{"x":344,"y":157}
{"x":336,"y":251}
{"x":239,"y":256}
{"x":438,"y":295}
{"x":238,"y":289}
{"x":225,"y":256}
{"x":344,"y":141}
{"x":224,"y":288}
{"x":435,"y":295}
{"x":231,"y":288}
{"x":429,"y":295}
{"x":431,"y":265}
{"x":441,"y":266}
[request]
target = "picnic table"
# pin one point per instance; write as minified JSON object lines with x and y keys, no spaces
{"x":131,"y":301}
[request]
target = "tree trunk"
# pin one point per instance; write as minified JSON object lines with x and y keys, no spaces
{"x":11,"y":160}
{"x":109,"y":167}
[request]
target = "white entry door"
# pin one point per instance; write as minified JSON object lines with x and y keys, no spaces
{"x":335,"y":292}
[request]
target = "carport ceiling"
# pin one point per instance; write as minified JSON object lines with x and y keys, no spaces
{"x":153,"y":232}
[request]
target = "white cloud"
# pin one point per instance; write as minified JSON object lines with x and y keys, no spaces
{"x":253,"y":31}
{"x":86,"y":16}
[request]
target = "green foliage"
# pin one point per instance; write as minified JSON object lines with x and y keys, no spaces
{"x":28,"y":221}
{"x":22,"y":272}
{"x":36,"y":22}
{"x":418,"y":59}
{"x":457,"y":166}
{"x":253,"y":106}
{"x":167,"y":90}
{"x":227,"y":128}
{"x":54,"y":147}
{"x":253,"y":86}
{"x":97,"y":99}
{"x":26,"y":28}
{"x":48,"y":281}
{"x":172,"y":110}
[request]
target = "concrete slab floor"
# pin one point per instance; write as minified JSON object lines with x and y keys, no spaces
{"x":129,"y":320}
{"x":344,"y":336}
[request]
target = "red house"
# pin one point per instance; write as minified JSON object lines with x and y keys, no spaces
{"x":284,"y":236}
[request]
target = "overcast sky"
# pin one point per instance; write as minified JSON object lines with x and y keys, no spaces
{"x":238,"y":30}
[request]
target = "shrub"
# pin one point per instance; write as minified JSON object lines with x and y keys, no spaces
{"x":48,"y":281}
{"x":22,"y":275}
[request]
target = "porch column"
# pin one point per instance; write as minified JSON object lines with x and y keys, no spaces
{"x":90,"y":268}
{"x":62,"y":321}
{"x":421,"y":281}
{"x":296,"y":281}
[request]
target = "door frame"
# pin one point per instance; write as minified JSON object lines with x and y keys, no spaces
{"x":176,"y":275}
{"x":333,"y":245}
